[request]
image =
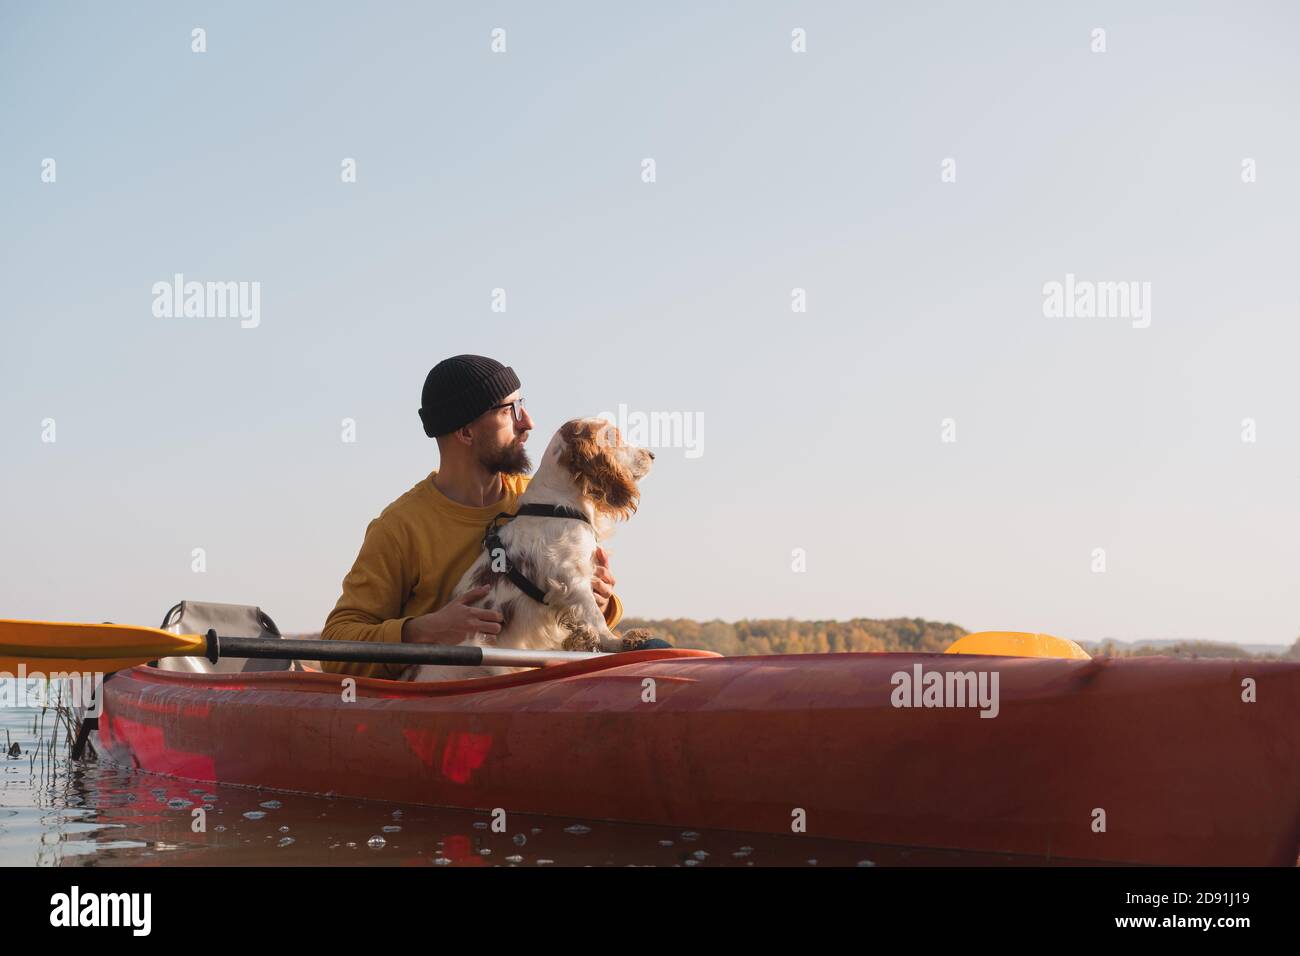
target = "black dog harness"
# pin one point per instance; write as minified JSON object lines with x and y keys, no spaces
{"x":492,"y":542}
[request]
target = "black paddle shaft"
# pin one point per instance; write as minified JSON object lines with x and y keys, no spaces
{"x":456,"y":655}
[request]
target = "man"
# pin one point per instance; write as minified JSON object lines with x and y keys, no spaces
{"x":415,"y":553}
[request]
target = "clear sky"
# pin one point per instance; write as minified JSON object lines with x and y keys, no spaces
{"x":774,"y":170}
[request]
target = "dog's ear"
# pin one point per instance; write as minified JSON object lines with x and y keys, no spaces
{"x":599,"y":475}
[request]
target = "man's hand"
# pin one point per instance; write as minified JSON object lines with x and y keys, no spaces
{"x":602,"y":582}
{"x":455,"y":622}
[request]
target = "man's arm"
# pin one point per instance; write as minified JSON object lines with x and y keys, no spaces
{"x":374,"y":591}
{"x":613,"y":611}
{"x":371,"y":605}
{"x":602,"y":588}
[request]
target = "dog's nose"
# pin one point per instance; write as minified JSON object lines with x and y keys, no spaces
{"x":651,"y":454}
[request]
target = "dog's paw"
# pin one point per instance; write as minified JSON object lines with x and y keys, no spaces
{"x":637,"y":638}
{"x":581,"y":639}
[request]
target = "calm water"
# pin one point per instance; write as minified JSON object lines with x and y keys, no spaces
{"x":57,"y":812}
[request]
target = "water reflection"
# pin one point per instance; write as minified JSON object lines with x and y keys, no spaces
{"x":56,"y":812}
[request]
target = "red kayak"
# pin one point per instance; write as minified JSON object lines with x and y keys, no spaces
{"x":1133,"y":760}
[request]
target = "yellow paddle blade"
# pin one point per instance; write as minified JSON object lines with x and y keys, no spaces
{"x":1018,"y":644}
{"x":51,"y":647}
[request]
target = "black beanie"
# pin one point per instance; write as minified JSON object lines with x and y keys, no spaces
{"x":460,"y":389}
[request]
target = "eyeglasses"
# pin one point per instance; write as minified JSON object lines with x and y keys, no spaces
{"x":517,"y":406}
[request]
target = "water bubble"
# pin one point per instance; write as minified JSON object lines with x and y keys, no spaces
{"x":284,"y":829}
{"x":866,"y":863}
{"x":700,"y":854}
{"x":441,"y":861}
{"x":220,"y":828}
{"x":516,"y":858}
{"x":285,"y":841}
{"x":480,"y":825}
{"x":391,"y":828}
{"x":351,"y":845}
{"x":690,"y":835}
{"x":665,"y":842}
{"x":692,"y":862}
{"x":812,"y":862}
{"x":536,"y":830}
{"x":254,"y":814}
{"x":577,"y":828}
{"x":178,"y":803}
{"x":376,"y":841}
{"x":520,"y":839}
{"x":545,"y":862}
{"x":271,"y":805}
{"x":397,"y":814}
{"x":485,"y":852}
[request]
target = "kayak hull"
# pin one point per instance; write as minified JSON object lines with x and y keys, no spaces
{"x":1129,"y":760}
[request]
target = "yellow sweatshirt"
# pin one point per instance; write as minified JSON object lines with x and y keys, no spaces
{"x":413,"y":556}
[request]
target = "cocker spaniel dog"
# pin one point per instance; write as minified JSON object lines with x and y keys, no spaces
{"x":539,"y":564}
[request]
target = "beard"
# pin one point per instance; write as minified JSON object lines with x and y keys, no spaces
{"x":511,"y":459}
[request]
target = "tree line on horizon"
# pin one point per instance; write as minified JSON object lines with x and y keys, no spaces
{"x":894,"y":635}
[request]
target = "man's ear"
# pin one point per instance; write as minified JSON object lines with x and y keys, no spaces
{"x":461,"y":437}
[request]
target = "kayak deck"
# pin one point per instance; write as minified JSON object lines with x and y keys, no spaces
{"x":1182,"y":770}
